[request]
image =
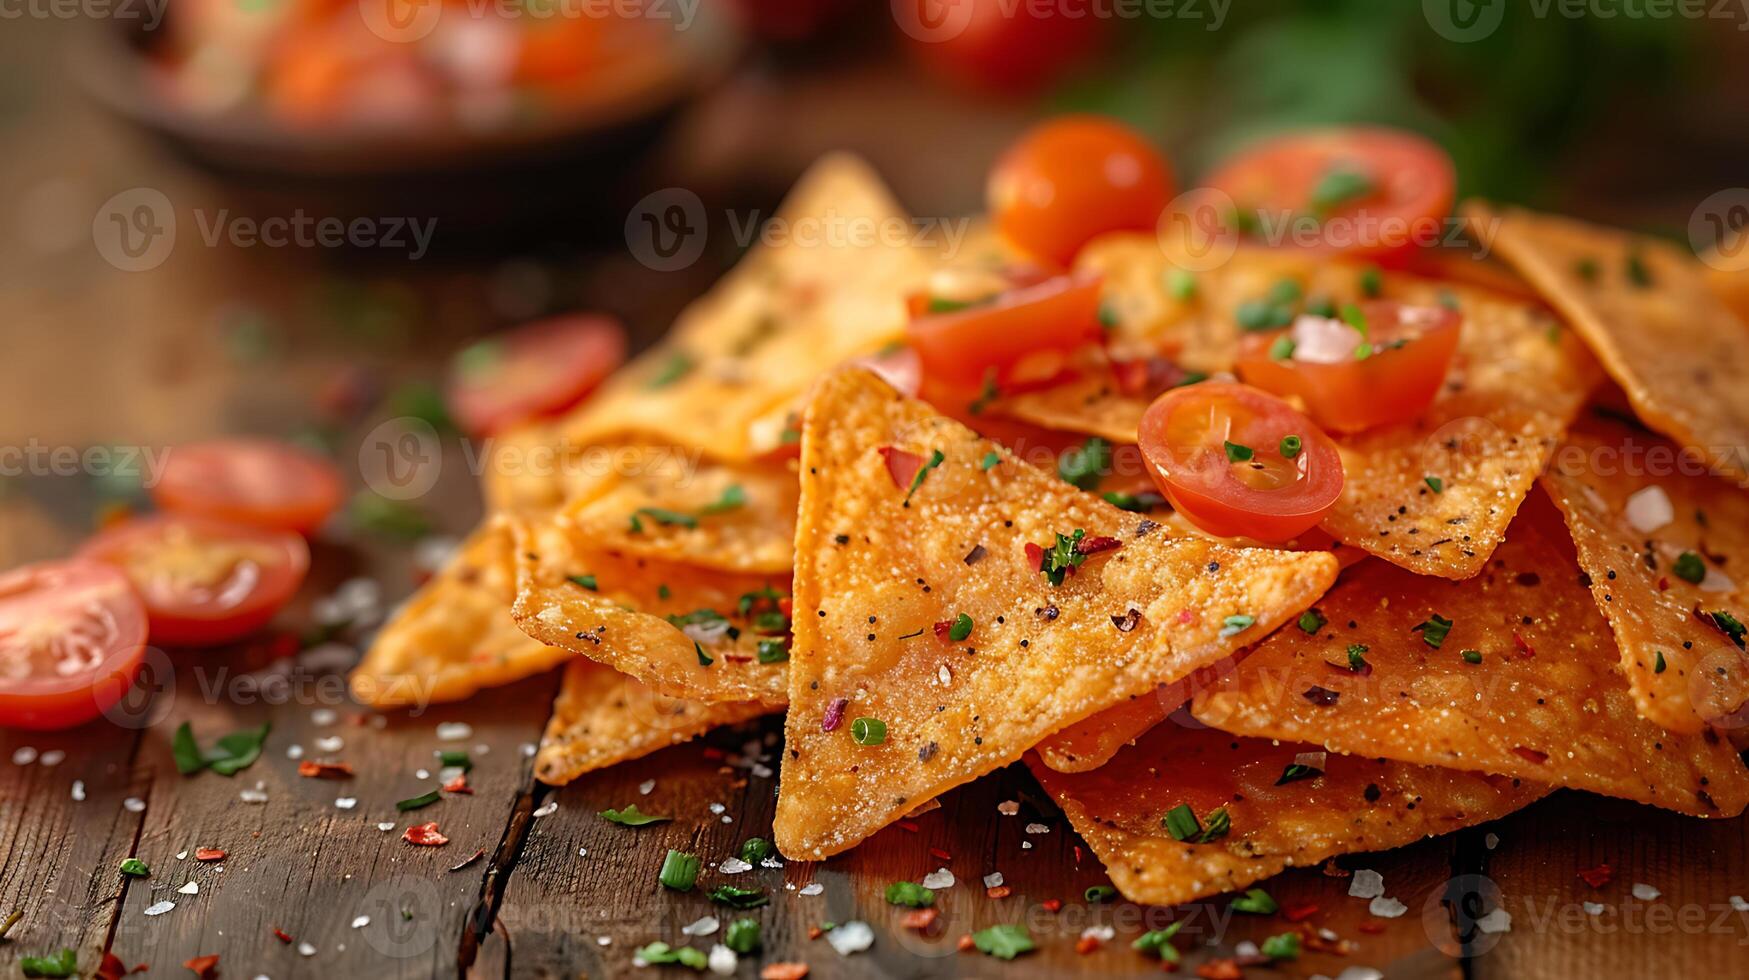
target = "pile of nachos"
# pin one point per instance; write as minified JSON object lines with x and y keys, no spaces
{"x":1255,"y":556}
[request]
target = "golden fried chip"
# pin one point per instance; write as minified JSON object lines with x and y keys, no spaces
{"x":1645,"y":307}
{"x":827,"y":283}
{"x":685,"y":631}
{"x":603,"y":717}
{"x":670,"y":504}
{"x":1513,"y":672}
{"x":1660,"y":541}
{"x":1348,"y":804}
{"x":930,"y":648}
{"x":455,"y":635}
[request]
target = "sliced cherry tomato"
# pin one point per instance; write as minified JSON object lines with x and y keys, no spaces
{"x":1380,"y":193}
{"x":1349,"y":382}
{"x":1071,"y":179}
{"x":1023,"y":335}
{"x":204,"y":581}
{"x":258,"y":482}
{"x":1236,"y":461}
{"x":72,"y":635}
{"x":534,"y":371}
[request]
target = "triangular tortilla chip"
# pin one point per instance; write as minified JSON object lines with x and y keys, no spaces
{"x":685,"y":631}
{"x":1354,"y":805}
{"x":1516,"y":381}
{"x":829,"y":286}
{"x":880,"y":564}
{"x":1545,"y":699}
{"x":1645,"y":307}
{"x":455,"y":635}
{"x":603,"y":717}
{"x":1682,"y":667}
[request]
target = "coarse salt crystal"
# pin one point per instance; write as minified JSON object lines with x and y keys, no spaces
{"x":1386,"y":907}
{"x":1645,"y":892}
{"x":1366,"y":883}
{"x":939,"y":878}
{"x":1649,"y":509}
{"x":851,"y":937}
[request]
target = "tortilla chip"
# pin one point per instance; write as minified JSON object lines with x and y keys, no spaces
{"x":875,"y":573}
{"x":1546,"y":703}
{"x":622,"y":610}
{"x":831,"y":288}
{"x":602,"y":717}
{"x":1683,"y":670}
{"x":455,"y":635}
{"x":1646,"y":309}
{"x":1355,"y":805}
{"x":1516,"y":382}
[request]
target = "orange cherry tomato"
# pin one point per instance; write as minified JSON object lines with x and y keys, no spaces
{"x":537,"y":370}
{"x":1024,"y":335}
{"x":1071,"y":179}
{"x":258,"y":482}
{"x":1408,"y":350}
{"x":1378,"y":193}
{"x":1236,"y":461}
{"x":72,"y":635}
{"x":204,"y":581}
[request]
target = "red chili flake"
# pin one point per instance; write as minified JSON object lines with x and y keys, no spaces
{"x":784,"y":971}
{"x":1097,"y":544}
{"x":939,"y":854}
{"x":1052,"y":904}
{"x":815,"y":932}
{"x":1035,"y":556}
{"x":901,"y":466}
{"x":425,"y":835}
{"x":204,"y":966}
{"x":998,"y":891}
{"x":1323,"y":697}
{"x":1086,"y":945}
{"x":1597,"y":877}
{"x":1299,"y":913}
{"x":834,"y":714}
{"x":311,"y":769}
{"x":1524,"y":647}
{"x":280,"y":934}
{"x":919,"y":919}
{"x":1224,"y":969}
{"x":1372,"y":927}
{"x":459,"y":785}
{"x":908,"y":826}
{"x":208,"y":854}
{"x":1530,"y":755}
{"x":966,"y":943}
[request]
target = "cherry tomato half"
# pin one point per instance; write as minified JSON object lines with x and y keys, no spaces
{"x":204,"y":581}
{"x":1072,"y":179}
{"x":72,"y":635}
{"x":1379,"y":193}
{"x":1236,"y":461}
{"x":258,"y":482}
{"x":1348,"y":383}
{"x":534,"y":371}
{"x":1024,"y":335}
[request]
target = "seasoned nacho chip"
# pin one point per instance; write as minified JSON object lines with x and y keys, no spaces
{"x":603,"y":717}
{"x":830,"y":286}
{"x":1513,"y":672}
{"x":1332,"y":805}
{"x":1660,"y":541}
{"x":954,"y":606}
{"x":685,"y":631}
{"x":455,"y":635}
{"x":1645,"y":307}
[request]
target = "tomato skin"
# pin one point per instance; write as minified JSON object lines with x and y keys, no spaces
{"x":1395,"y":384}
{"x":1414,"y":187}
{"x":92,"y":602}
{"x":262,"y":569}
{"x":1199,"y":480}
{"x":258,"y":482}
{"x":535,"y":371}
{"x":1071,"y":179}
{"x":1023,"y":335}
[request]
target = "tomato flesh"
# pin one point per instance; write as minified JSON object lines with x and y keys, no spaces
{"x":1021,"y":337}
{"x":1411,"y":350}
{"x":1271,"y":494}
{"x":1364,"y":192}
{"x":258,"y":482}
{"x":534,"y":371}
{"x":72,"y":636}
{"x":1071,"y":179}
{"x":204,"y":581}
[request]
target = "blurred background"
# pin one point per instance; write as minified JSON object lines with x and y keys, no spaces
{"x":498,"y":151}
